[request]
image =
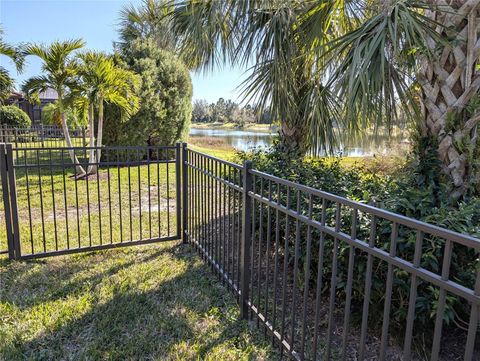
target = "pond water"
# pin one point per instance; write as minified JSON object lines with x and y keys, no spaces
{"x":246,"y":139}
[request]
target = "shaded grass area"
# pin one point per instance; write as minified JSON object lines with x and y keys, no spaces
{"x":149,"y":302}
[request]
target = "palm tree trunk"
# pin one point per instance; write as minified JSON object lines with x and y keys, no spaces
{"x":91,"y":144}
{"x":78,"y":168}
{"x":100,"y":129}
{"x":449,"y":88}
{"x":292,"y":138}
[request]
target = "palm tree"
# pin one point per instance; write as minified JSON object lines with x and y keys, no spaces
{"x":407,"y":53}
{"x":15,"y":55}
{"x":60,"y":73}
{"x":367,"y":59}
{"x":282,"y":81}
{"x":104,"y":81}
{"x":146,"y":22}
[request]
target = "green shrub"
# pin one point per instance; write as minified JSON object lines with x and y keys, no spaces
{"x":14,"y":116}
{"x":165,"y":99}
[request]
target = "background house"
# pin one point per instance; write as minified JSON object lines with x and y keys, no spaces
{"x":34,"y":111}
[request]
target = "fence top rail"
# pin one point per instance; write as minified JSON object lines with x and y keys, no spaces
{"x":39,"y":128}
{"x":104,"y":147}
{"x":67,"y":165}
{"x":431,"y":229}
{"x":226,"y":162}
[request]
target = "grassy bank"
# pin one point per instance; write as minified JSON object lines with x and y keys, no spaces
{"x":149,"y":302}
{"x":267,"y":128}
{"x":218,"y":148}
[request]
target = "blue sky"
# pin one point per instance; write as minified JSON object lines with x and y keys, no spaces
{"x":96,"y":22}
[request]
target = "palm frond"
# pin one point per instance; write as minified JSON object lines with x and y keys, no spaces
{"x":102,"y":80}
{"x":14,"y":53}
{"x":146,"y":21}
{"x":6,"y":84}
{"x":373,"y":65}
{"x":35,"y":85}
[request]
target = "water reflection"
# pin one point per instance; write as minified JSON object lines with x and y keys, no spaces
{"x":246,"y":139}
{"x":239,"y":139}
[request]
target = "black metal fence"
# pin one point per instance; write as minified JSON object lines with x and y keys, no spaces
{"x":324,"y":277}
{"x":42,"y":136}
{"x":307,"y":266}
{"x":132,"y":198}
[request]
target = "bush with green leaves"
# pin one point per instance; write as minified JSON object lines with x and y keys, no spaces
{"x":14,"y":116}
{"x":165,"y":99}
{"x":411,"y":189}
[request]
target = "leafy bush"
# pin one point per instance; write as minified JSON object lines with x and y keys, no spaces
{"x":14,"y":116}
{"x":165,"y":99}
{"x":406,"y":189}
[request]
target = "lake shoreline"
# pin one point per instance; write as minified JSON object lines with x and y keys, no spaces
{"x":261,"y":128}
{"x":225,"y":136}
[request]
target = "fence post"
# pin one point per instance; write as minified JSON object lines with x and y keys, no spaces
{"x":6,"y":201}
{"x":178,"y":188}
{"x":246,"y":240}
{"x":184,"y":193}
{"x":13,"y":201}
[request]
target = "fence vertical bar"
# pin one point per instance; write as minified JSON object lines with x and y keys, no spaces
{"x":246,"y":240}
{"x":178,"y":187}
{"x":474,"y":323}
{"x":42,"y":136}
{"x":6,"y":201}
{"x":13,"y":201}
{"x":184,"y":193}
{"x":84,"y":138}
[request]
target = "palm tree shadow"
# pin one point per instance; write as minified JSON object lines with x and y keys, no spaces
{"x":64,"y":275}
{"x":146,"y":321}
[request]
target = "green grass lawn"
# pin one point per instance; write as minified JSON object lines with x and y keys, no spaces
{"x":156,"y":302}
{"x":145,"y":302}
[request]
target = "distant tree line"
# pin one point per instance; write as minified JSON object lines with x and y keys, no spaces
{"x":227,"y":111}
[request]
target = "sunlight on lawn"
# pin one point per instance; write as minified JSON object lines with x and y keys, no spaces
{"x":154,"y":302}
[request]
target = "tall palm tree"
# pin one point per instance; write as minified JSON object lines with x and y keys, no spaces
{"x":60,"y":72}
{"x":148,"y":21}
{"x":104,"y":81}
{"x":372,"y":60}
{"x":210,"y":33}
{"x":15,"y":55}
{"x":427,"y":53}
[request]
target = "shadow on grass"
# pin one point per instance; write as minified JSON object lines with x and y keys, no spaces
{"x":50,"y":281}
{"x":156,"y":304}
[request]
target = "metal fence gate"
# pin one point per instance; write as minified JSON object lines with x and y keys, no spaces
{"x":130,"y":197}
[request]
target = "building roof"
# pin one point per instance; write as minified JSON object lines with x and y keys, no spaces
{"x":49,"y":94}
{"x":16,"y":95}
